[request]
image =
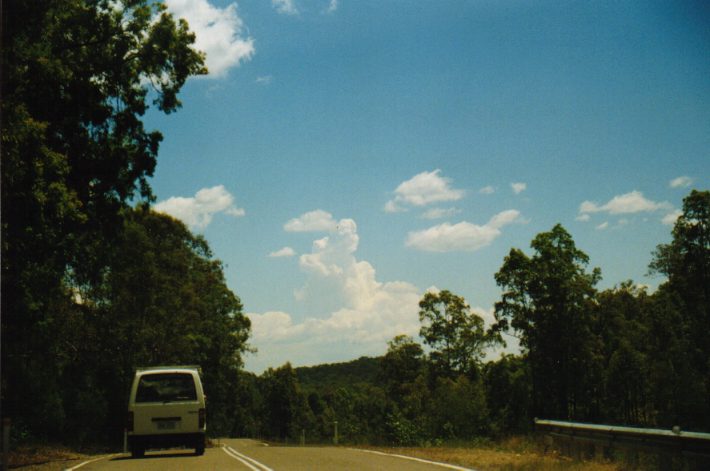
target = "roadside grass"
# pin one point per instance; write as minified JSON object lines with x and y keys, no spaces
{"x":512,"y":454}
{"x":24,"y":456}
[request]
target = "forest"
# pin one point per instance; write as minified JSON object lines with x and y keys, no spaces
{"x":95,"y":283}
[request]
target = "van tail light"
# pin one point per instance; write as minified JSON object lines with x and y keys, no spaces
{"x":129,"y":421}
{"x":202,"y":418}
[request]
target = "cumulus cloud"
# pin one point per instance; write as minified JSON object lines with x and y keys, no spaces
{"x":518,"y":187}
{"x":463,"y":236}
{"x":351,"y":312}
{"x":423,"y":189}
{"x":681,"y":182}
{"x":629,"y":203}
{"x":264,"y":80}
{"x":602,"y":226}
{"x":285,"y":7}
{"x":487,"y":190}
{"x":284,"y":252}
{"x":312,"y":221}
{"x":197,"y":212}
{"x":670,"y":218}
{"x":219,"y":32}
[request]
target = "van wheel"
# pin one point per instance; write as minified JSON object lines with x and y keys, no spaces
{"x":200,"y":449}
{"x":137,"y":452}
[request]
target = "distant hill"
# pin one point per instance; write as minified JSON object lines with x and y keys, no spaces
{"x":333,"y":376}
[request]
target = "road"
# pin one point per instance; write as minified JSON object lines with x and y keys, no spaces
{"x":251,"y":455}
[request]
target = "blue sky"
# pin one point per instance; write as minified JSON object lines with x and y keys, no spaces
{"x":343,"y":157}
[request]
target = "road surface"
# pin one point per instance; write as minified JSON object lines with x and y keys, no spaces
{"x":251,"y":455}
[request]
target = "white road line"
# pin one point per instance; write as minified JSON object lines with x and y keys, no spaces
{"x":89,"y":461}
{"x":246,"y":460}
{"x":435,"y":463}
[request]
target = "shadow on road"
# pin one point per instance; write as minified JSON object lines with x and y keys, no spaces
{"x":156,"y":455}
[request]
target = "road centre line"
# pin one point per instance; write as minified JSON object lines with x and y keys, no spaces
{"x":435,"y":463}
{"x":89,"y":461}
{"x":245,"y":459}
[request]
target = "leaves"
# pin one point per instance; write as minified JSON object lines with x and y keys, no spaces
{"x":456,"y":334}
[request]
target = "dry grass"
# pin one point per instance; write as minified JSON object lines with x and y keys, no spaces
{"x":31,"y":457}
{"x":515,"y":454}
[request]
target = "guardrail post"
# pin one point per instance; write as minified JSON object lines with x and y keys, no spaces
{"x":335,"y":433}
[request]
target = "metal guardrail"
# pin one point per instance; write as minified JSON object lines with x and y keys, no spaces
{"x":692,"y":449}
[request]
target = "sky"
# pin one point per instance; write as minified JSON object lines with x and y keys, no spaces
{"x":343,"y":157}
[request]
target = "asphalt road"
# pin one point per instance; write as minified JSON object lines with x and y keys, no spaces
{"x":250,"y":455}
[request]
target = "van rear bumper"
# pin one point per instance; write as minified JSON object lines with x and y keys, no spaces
{"x":145,"y":442}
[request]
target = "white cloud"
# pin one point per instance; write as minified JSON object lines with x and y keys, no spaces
{"x":583,"y":217}
{"x":264,"y":80}
{"x":285,"y":7}
{"x":602,"y":226}
{"x":670,"y":218}
{"x":518,"y":187}
{"x":633,"y":202}
{"x":487,"y":190}
{"x":438,"y":213}
{"x":463,"y":236}
{"x":284,"y":252}
{"x":332,"y":6}
{"x":197,"y":212}
{"x":681,"y":182}
{"x":219,"y":32}
{"x":423,"y":189}
{"x":312,"y":221}
{"x":351,"y":313}
{"x":392,"y":207}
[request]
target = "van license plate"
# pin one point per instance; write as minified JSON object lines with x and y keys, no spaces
{"x":167,"y":425}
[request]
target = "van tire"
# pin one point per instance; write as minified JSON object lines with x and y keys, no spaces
{"x":137,"y":452}
{"x":200,"y":449}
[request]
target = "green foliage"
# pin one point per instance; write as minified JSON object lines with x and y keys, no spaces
{"x":400,"y":367}
{"x":285,"y":407}
{"x":686,"y":297}
{"x":162,"y":300}
{"x":454,"y":332}
{"x":509,"y":395}
{"x":76,"y":80}
{"x":459,"y":409}
{"x":546,"y":301}
{"x":349,"y":374}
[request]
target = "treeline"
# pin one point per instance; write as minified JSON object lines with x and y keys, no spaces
{"x":617,"y":356}
{"x":93,"y":282}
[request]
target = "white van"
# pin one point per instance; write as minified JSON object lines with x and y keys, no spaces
{"x":166,"y":408}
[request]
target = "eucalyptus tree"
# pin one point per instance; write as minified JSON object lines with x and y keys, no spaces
{"x":455,"y":333}
{"x":77,"y":77}
{"x":685,"y":297}
{"x":546,"y":302}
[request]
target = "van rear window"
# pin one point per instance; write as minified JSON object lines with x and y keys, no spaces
{"x":166,"y":387}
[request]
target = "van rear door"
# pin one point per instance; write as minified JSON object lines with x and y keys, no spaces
{"x":166,"y":403}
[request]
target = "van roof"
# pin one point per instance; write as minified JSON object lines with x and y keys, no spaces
{"x":141,"y":369}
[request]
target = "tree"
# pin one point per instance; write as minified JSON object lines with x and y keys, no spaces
{"x":162,"y":300}
{"x":284,"y":405}
{"x":546,"y":302}
{"x":686,"y":263}
{"x":456,"y":334}
{"x":508,"y":393}
{"x":622,"y":323}
{"x":76,"y":79}
{"x":401,"y":365}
